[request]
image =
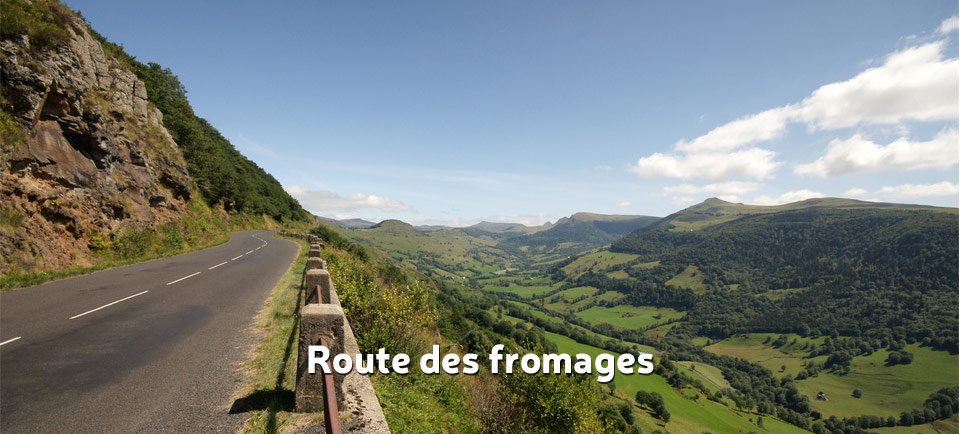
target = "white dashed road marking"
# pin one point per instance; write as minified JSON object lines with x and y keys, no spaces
{"x":107,"y":305}
{"x":10,"y":340}
{"x":215,"y":266}
{"x":183,"y":278}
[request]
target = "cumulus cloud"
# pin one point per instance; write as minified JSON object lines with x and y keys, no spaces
{"x":625,"y":203}
{"x":759,"y":127}
{"x":524,"y":219}
{"x":856,"y":192}
{"x":734,"y":188}
{"x":788,"y":197}
{"x":912,"y":191}
{"x":323,"y":201}
{"x":747,"y":163}
{"x":914,"y":84}
{"x":682,"y":200}
{"x":858,"y":154}
{"x":949,"y":25}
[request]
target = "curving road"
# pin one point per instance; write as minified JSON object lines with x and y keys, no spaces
{"x":151,"y":347}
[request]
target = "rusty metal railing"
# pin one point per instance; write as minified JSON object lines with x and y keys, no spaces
{"x":331,"y":412}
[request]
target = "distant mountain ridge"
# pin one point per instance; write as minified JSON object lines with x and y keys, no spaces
{"x":351,"y":223}
{"x":715,"y":211}
{"x":579,"y":232}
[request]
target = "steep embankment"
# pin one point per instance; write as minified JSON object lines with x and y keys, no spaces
{"x":102,"y":157}
{"x":83,"y":150}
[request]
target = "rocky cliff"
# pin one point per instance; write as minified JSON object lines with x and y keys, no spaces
{"x":84,"y":153}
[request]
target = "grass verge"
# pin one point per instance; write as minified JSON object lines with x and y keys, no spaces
{"x":18,"y":281}
{"x":267,"y":394}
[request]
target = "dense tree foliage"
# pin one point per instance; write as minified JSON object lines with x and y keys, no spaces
{"x":223,"y":175}
{"x":881,"y":273}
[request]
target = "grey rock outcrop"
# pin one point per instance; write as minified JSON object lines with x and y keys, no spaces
{"x":96,"y":157}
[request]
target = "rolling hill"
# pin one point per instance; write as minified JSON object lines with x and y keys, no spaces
{"x":577,"y":233}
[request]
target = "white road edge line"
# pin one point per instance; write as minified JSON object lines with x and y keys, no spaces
{"x":107,"y":305}
{"x":183,"y":278}
{"x":238,"y":257}
{"x":215,"y":266}
{"x":248,"y":252}
{"x":10,"y":340}
{"x":261,"y":239}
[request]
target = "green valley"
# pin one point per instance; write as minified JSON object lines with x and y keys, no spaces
{"x":765,"y":307}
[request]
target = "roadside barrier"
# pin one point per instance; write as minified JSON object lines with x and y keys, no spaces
{"x":323,"y":322}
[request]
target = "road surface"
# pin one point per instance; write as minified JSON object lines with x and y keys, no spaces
{"x":151,"y":347}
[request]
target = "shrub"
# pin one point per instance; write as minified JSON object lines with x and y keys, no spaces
{"x":384,"y":315}
{"x":45,"y":22}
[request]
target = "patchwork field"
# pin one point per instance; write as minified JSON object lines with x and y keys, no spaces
{"x":887,"y":390}
{"x":947,"y":426}
{"x":629,"y":317}
{"x":786,"y":360}
{"x":688,"y":415}
{"x":523,"y":291}
{"x":711,"y":376}
{"x":598,"y":262}
{"x":689,"y":278}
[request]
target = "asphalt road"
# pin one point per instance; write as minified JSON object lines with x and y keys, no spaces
{"x":152,"y":347}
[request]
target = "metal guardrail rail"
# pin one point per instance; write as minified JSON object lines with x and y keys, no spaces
{"x":322,"y":321}
{"x":331,"y":413}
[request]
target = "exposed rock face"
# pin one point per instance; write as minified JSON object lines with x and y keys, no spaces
{"x":97,"y":156}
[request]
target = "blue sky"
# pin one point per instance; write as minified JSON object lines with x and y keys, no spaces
{"x":453,"y":112}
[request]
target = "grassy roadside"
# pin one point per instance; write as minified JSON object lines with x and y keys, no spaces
{"x":270,"y":371}
{"x":202,"y":227}
{"x":18,"y":281}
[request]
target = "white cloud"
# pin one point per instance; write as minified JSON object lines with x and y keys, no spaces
{"x":949,"y":25}
{"x":458,"y":222}
{"x":453,"y":223}
{"x":858,"y":154}
{"x":911,"y":191}
{"x":625,"y":203}
{"x":748,"y":163}
{"x":524,"y":219}
{"x":916,"y":83}
{"x":680,"y":201}
{"x":759,"y":127}
{"x":322,"y":201}
{"x":856,"y":192}
{"x":720,"y":188}
{"x":788,"y":197}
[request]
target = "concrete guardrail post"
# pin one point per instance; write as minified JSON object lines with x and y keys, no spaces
{"x":318,"y":321}
{"x":315,"y":264}
{"x":319,"y":277}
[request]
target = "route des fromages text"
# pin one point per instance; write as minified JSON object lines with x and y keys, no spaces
{"x":605,"y":366}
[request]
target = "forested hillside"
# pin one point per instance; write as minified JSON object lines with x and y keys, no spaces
{"x":868,"y":272}
{"x":577,"y":233}
{"x":757,"y":309}
{"x":223,"y":175}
